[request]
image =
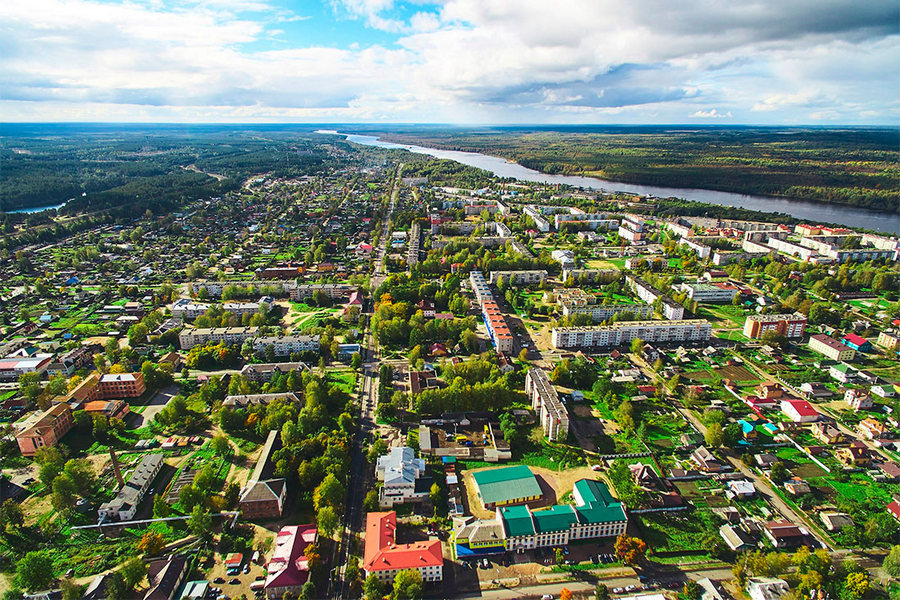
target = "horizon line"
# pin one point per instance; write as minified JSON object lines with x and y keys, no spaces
{"x":455,"y":125}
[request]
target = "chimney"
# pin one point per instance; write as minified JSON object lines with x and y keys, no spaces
{"x":116,"y":469}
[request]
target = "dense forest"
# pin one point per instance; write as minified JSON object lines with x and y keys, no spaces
{"x":852,"y":166}
{"x":99,"y":167}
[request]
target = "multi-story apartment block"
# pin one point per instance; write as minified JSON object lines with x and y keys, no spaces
{"x":830,"y":347}
{"x":592,"y":220}
{"x":889,"y":339}
{"x":532,"y":277}
{"x":791,"y":326}
{"x":588,"y":275}
{"x":334,"y":291}
{"x":545,"y":402}
{"x":566,"y":258}
{"x":649,"y":294}
{"x":540,"y":223}
{"x":618,"y":334}
{"x":603,"y":312}
{"x":285,"y":345}
{"x":194,"y":336}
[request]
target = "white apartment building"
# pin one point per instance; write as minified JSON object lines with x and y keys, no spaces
{"x":285,"y":345}
{"x":592,"y":220}
{"x":710,"y":292}
{"x":545,"y":402}
{"x":649,"y":294}
{"x":540,"y":223}
{"x":530,"y":277}
{"x":618,"y":334}
{"x":603,"y":312}
{"x":198,"y":336}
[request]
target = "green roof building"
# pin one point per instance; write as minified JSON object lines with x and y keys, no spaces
{"x":506,"y":486}
{"x":595,"y":514}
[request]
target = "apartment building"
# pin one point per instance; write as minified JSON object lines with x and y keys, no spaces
{"x":285,"y":345}
{"x":889,"y":339}
{"x":566,"y":258}
{"x":604,"y":312}
{"x":649,"y":294}
{"x":185,"y":308}
{"x":499,"y":331}
{"x":199,"y":336}
{"x":540,"y":223}
{"x":334,"y":291}
{"x":790,"y":326}
{"x":402,"y":476}
{"x":591,"y":220}
{"x":710,"y":292}
{"x":47,"y":430}
{"x":525,"y":277}
{"x":588,"y":275}
{"x":260,"y":287}
{"x":545,"y":402}
{"x":619,"y":334}
{"x":831,"y":348}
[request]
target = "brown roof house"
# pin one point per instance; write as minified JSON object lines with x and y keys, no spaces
{"x":263,"y":497}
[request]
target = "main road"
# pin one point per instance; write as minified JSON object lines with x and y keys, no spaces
{"x":357,"y":481}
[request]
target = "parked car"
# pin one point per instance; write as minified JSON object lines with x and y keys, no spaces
{"x":219,"y":580}
{"x":235,"y":581}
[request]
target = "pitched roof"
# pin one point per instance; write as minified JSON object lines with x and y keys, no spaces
{"x":506,"y":484}
{"x":288,"y":566}
{"x":383,"y":553}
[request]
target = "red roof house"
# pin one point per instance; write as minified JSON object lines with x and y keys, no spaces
{"x":384,"y":557}
{"x":288,"y":568}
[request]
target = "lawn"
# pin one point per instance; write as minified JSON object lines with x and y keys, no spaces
{"x":678,"y":532}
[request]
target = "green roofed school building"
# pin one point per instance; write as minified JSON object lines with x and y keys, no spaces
{"x":506,"y":486}
{"x":595,"y":514}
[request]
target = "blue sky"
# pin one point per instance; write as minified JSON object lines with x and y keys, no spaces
{"x":451,"y":61}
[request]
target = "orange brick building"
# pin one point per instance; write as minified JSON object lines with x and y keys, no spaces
{"x":51,"y":426}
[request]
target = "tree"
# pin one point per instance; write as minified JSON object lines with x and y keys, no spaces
{"x":151,"y":543}
{"x":714,"y":435}
{"x":328,"y":521}
{"x":200,"y":522}
{"x":161,"y":507}
{"x":891,"y":564}
{"x":329,"y":493}
{"x":308,"y":591}
{"x":559,"y":557}
{"x":220,"y":445}
{"x":601,"y":592}
{"x":637,"y":346}
{"x":64,"y":494}
{"x":565,"y":594}
{"x":133,"y":572}
{"x":373,"y":588}
{"x":34,"y":571}
{"x":370,"y":503}
{"x":630,"y":550}
{"x":856,"y":585}
{"x":778,"y":472}
{"x":378,"y":448}
{"x":407,"y":585}
{"x":116,"y":589}
{"x":232,"y":494}
{"x":11,"y":515}
{"x":692,"y":590}
{"x":70,"y":590}
{"x":356,"y":360}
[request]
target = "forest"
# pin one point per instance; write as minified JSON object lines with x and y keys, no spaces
{"x":850,"y":166}
{"x":99,"y":167}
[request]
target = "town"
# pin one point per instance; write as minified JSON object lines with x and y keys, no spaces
{"x":403,"y":377}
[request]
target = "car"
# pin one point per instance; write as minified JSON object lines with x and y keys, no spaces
{"x":260,"y":577}
{"x":618,"y":590}
{"x":546,"y":597}
{"x":629,"y":588}
{"x":219,"y":580}
{"x":234,"y":581}
{"x":246,"y":569}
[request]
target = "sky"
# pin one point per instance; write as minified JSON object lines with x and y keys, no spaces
{"x":794,"y":62}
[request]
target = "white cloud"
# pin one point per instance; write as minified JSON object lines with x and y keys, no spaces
{"x":467,"y":60}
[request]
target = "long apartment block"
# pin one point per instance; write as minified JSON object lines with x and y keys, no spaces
{"x":618,"y":334}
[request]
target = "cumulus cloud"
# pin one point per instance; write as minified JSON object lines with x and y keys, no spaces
{"x":458,"y":60}
{"x":710,"y":114}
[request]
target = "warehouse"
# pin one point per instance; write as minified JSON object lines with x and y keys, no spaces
{"x":506,"y":486}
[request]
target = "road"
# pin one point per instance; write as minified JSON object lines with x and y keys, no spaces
{"x":357,"y":482}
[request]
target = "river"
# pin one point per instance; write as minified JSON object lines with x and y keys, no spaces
{"x":801,"y":209}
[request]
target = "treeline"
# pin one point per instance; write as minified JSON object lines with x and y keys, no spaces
{"x":855,"y":167}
